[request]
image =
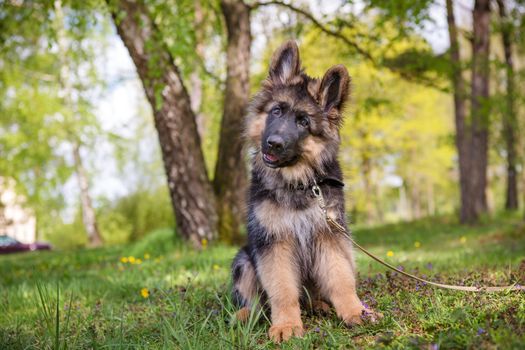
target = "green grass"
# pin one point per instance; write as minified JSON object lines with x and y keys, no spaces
{"x":90,"y":299}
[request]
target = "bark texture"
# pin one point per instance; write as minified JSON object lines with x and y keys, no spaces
{"x":190,"y":190}
{"x":230,"y":172}
{"x":88,"y":213}
{"x":509,"y":114}
{"x":479,"y":122}
{"x":472,"y":134}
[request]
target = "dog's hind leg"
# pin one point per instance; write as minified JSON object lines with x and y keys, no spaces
{"x":245,"y":285}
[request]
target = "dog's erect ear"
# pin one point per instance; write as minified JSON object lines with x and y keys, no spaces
{"x":285,"y":63}
{"x":334,"y":89}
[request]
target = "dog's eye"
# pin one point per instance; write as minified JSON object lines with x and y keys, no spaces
{"x":303,"y":120}
{"x":276,"y":111}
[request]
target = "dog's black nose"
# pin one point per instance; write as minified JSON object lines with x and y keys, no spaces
{"x":275,"y":142}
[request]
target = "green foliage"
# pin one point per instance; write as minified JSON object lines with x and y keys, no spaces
{"x":420,"y":65}
{"x":179,"y":298}
{"x":404,"y":12}
{"x":65,"y":236}
{"x":142,"y":211}
{"x":123,"y":220}
{"x":175,"y":19}
{"x":114,"y":227}
{"x":50,"y":311}
{"x":161,"y":241}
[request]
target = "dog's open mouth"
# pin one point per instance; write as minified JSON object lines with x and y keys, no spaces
{"x":274,"y":161}
{"x":270,"y":159}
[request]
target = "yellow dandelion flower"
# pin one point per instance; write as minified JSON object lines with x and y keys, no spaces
{"x":124,"y":260}
{"x":204,"y":242}
{"x":138,"y":261}
{"x":144,"y":292}
{"x":417,"y":244}
{"x":146,"y":256}
{"x":390,"y":253}
{"x":216,"y":267}
{"x":131,"y":259}
{"x":157,"y":260}
{"x":463,"y":240}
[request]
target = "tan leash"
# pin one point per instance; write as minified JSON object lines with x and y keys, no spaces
{"x":331,"y":222}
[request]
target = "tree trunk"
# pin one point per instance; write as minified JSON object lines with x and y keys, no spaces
{"x":190,"y":190}
{"x":462,"y":133}
{"x":509,"y":114}
{"x":479,"y":122}
{"x":472,"y":137}
{"x":230,"y":170}
{"x":88,"y":213}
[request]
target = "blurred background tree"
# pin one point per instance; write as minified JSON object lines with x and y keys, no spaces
{"x":434,"y":127}
{"x":49,"y":82}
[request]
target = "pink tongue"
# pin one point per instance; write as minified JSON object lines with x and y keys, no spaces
{"x":270,"y":157}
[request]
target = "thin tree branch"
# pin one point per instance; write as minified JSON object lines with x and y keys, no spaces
{"x":356,"y":46}
{"x":318,"y":24}
{"x":217,"y":79}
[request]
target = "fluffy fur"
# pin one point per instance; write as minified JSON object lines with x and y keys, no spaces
{"x":290,"y":247}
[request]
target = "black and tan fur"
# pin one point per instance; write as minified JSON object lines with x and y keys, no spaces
{"x":291,"y":253}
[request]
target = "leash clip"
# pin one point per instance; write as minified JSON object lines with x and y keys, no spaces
{"x":316,"y":190}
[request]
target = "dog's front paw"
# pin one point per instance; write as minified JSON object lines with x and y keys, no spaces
{"x":283,"y":332}
{"x":362,"y":315}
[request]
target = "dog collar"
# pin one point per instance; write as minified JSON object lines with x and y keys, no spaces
{"x":331,"y":181}
{"x":327,"y":180}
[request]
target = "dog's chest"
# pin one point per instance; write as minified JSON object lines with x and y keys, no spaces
{"x":299,"y":198}
{"x":282,"y":221}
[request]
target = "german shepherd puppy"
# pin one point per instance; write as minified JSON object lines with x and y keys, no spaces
{"x":292,"y":257}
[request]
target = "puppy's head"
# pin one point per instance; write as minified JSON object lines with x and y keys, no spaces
{"x":293,"y":116}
